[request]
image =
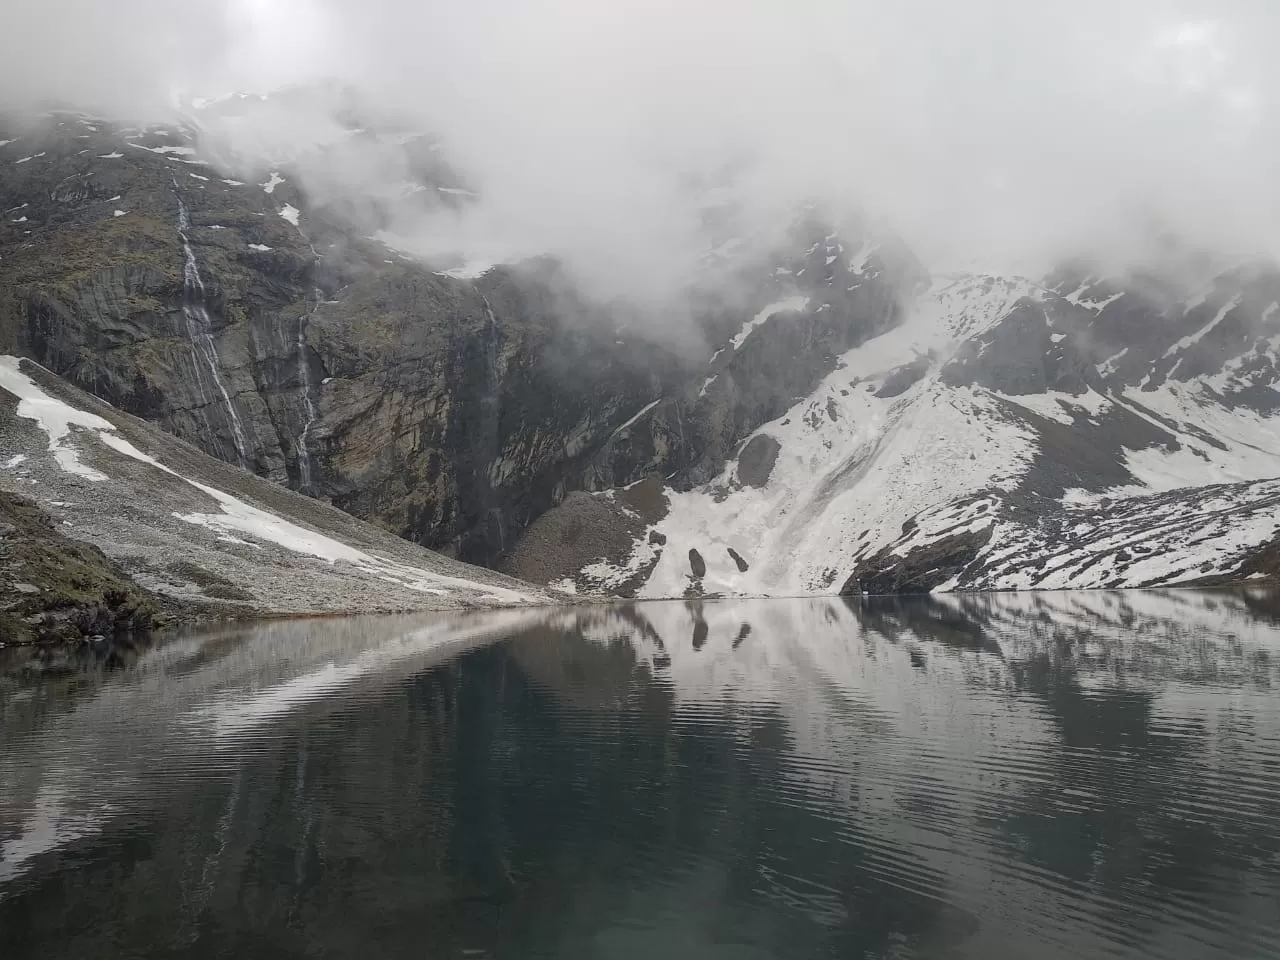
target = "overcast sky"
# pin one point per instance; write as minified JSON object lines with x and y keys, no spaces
{"x":987,"y":132}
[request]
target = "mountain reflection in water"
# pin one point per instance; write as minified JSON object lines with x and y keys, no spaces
{"x":1048,"y":775}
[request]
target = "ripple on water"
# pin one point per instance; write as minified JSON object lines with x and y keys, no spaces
{"x":1031,"y":776}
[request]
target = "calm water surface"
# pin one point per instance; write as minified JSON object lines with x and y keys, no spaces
{"x":1061,"y":775}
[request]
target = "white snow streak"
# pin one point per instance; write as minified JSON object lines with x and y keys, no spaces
{"x":633,"y":420}
{"x":54,"y":417}
{"x":789,"y":305}
{"x":471,"y":270}
{"x":164,"y":151}
{"x":1187,"y":341}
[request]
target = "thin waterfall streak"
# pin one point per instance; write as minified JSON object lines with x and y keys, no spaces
{"x":309,"y":408}
{"x":199,"y":329}
{"x":305,"y":470}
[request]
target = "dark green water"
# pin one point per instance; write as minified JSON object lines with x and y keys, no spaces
{"x":1064,"y":775}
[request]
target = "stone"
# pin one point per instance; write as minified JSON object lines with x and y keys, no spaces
{"x":697,"y":565}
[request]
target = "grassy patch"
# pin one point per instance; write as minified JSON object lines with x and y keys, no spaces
{"x":53,"y":588}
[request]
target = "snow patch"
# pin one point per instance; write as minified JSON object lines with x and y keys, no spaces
{"x":260,"y":247}
{"x":789,"y":305}
{"x":272,"y":182}
{"x":290,"y":213}
{"x":633,"y":420}
{"x":471,"y":270}
{"x":1188,"y":341}
{"x":167,"y":151}
{"x":858,"y":262}
{"x":53,"y":416}
{"x":1108,"y":366}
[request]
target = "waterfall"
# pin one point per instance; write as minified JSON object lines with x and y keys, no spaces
{"x":487,"y":440}
{"x":491,"y":351}
{"x":200,"y":332}
{"x":309,"y":408}
{"x":305,"y":474}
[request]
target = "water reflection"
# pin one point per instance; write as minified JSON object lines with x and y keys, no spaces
{"x":1052,"y":775}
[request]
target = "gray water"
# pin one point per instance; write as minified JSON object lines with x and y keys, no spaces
{"x":1056,"y":775}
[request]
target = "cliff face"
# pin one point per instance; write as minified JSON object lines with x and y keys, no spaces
{"x":451,"y":410}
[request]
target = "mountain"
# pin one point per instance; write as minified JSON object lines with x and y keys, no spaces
{"x":845,"y":422}
{"x":107,"y":523}
{"x":1007,"y":435}
{"x":452,"y":411}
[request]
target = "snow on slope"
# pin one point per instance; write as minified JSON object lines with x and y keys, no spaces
{"x":853,"y":466}
{"x":1137,"y":541}
{"x":886,"y":458}
{"x":155,"y":495}
{"x":789,"y":305}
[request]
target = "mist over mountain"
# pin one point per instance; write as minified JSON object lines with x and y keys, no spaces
{"x":989,"y":135}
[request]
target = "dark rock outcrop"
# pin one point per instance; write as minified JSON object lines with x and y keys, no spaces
{"x":755,"y":462}
{"x":919,"y":570}
{"x":1021,"y":355}
{"x":697,"y":565}
{"x":54,"y":589}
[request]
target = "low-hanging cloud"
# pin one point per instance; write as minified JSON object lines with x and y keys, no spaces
{"x":992,"y":134}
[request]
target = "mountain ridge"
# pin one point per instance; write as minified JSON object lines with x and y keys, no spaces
{"x":855,"y":425}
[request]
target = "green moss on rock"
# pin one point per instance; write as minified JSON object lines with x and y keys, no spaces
{"x":53,"y":588}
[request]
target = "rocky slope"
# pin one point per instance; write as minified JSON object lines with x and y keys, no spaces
{"x":109,"y":520}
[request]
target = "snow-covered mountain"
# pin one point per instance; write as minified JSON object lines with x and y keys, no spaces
{"x":1007,"y":434}
{"x":843,"y":422}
